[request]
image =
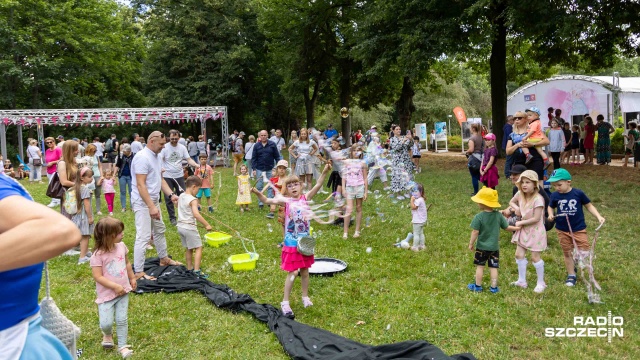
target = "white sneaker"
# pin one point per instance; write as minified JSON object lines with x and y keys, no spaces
{"x":71,"y":252}
{"x":83,"y":260}
{"x":52,"y":204}
{"x":111,"y":214}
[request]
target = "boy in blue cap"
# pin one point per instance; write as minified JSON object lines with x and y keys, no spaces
{"x":570,"y":218}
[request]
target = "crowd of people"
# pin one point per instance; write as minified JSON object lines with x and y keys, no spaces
{"x":183,"y":172}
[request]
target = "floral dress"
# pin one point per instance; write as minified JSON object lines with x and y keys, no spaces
{"x":402,"y":167}
{"x":603,"y":147}
{"x":531,"y":237}
{"x":243,"y":198}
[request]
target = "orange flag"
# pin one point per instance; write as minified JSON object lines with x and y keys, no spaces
{"x":460,"y":115}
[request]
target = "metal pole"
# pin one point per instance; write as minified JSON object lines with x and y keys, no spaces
{"x":225,"y":137}
{"x":3,"y":141}
{"x":20,"y":146}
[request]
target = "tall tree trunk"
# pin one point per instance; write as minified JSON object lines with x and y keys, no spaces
{"x":404,"y":105}
{"x":310,"y":102}
{"x":499,"y":69}
{"x":345,"y":99}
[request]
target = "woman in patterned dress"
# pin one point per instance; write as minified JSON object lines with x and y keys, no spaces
{"x":603,"y":147}
{"x":401,"y":163}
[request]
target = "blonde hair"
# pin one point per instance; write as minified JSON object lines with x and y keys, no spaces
{"x":531,"y":176}
{"x":69,"y":149}
{"x":252,"y":138}
{"x":306,"y":134}
{"x":33,"y":142}
{"x":90,"y":150}
{"x":81,"y":172}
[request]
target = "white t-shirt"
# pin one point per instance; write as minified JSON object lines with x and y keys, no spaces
{"x":99,"y":148}
{"x":32,"y":151}
{"x":136,"y":146}
{"x":149,"y":163}
{"x":280,"y":143}
{"x":303,"y":148}
{"x":182,"y":141}
{"x":248,"y":150}
{"x":171,"y":158}
{"x":186,"y":220}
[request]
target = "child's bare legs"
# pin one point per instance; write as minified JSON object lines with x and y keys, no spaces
{"x":494,"y":277}
{"x":209,"y":201}
{"x":84,"y":245}
{"x":569,"y":264}
{"x":197,"y":258}
{"x":288,"y":284}
{"x":479,"y":274}
{"x":525,"y":150}
{"x":304,"y":282}
{"x":347,"y":216}
{"x":358,"y":216}
{"x":188,"y":254}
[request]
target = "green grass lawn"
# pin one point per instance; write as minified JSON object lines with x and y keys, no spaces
{"x":388,"y":295}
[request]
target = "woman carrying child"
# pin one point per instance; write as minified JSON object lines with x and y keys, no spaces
{"x":528,"y":204}
{"x":297,"y":225}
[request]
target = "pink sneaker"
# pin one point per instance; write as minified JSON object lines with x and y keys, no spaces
{"x":521,"y":284}
{"x":540,"y":288}
{"x":286,"y":309}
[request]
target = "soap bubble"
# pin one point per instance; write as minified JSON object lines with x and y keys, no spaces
{"x":367,"y":221}
{"x":369,"y":250}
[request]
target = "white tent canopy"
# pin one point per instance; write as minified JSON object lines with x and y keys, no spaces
{"x":578,"y":95}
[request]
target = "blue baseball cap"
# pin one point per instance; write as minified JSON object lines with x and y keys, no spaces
{"x":535,"y":110}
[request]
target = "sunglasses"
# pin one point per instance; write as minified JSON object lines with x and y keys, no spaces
{"x":518,"y":117}
{"x":48,"y":142}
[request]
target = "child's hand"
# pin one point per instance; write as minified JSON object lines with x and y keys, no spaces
{"x":470,"y":246}
{"x":119,"y":290}
{"x":364,"y":197}
{"x":208,"y":227}
{"x":90,"y":220}
{"x":327,"y":168}
{"x":550,"y":217}
{"x":601,"y":220}
{"x":134,"y":283}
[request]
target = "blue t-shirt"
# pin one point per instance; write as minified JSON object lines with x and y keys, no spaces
{"x":329,"y":133}
{"x":571,"y":204}
{"x":22,"y":284}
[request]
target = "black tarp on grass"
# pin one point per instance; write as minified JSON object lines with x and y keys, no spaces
{"x":299,"y":341}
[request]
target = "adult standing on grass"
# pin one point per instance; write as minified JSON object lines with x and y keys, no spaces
{"x":201,"y":145}
{"x":99,"y":149}
{"x":292,"y":139}
{"x":265,"y":156}
{"x":401,"y":163}
{"x":238,"y":151}
{"x":35,"y":161}
{"x":146,"y":170}
{"x":248,"y":153}
{"x":590,"y":133}
{"x":111,"y":150}
{"x":123,"y":170}
{"x":476,"y":146}
{"x":515,"y":145}
{"x":172,"y":156}
{"x":279,"y":140}
{"x":28,"y":238}
{"x":52,"y":155}
{"x":192,"y":146}
{"x":507,"y":129}
{"x":304,"y":150}
{"x":603,"y":147}
{"x":92,"y":160}
{"x":136,"y":145}
{"x":67,"y":169}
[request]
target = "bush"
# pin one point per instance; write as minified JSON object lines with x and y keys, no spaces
{"x":617,"y":142}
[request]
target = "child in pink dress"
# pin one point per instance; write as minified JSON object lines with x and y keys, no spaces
{"x":109,"y":190}
{"x":114,"y":278}
{"x":489,"y":171}
{"x":529,"y":205}
{"x":296,"y":226}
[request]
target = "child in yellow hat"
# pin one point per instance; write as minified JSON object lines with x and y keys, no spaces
{"x":486,"y":235}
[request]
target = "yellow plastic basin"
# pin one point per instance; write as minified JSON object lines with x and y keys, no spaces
{"x":217,"y":238}
{"x":245,"y":261}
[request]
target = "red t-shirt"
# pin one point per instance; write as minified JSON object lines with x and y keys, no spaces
{"x":274,"y":181}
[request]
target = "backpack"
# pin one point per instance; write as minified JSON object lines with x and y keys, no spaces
{"x":109,"y":146}
{"x":70,"y":202}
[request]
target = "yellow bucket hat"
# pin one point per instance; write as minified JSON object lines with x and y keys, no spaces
{"x":487,"y":196}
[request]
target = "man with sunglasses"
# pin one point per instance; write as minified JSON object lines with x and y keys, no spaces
{"x":172,"y":156}
{"x":507,"y":129}
{"x":147,"y":182}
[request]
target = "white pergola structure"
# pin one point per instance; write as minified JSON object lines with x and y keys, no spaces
{"x":111,"y":117}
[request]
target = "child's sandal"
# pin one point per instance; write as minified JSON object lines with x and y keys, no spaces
{"x":126,"y":352}
{"x":306,"y":301}
{"x":571,"y":280}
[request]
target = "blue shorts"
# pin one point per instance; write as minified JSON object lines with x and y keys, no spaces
{"x":205,"y":191}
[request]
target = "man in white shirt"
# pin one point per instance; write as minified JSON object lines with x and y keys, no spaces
{"x":136,"y":145}
{"x":146,"y":183}
{"x":172,"y":156}
{"x":278,"y":140}
{"x":60,"y":139}
{"x":99,"y":149}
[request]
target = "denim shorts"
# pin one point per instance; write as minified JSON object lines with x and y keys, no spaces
{"x":355,"y":192}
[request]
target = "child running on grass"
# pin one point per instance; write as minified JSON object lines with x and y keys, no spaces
{"x":114,"y":278}
{"x":297,"y":225}
{"x":570,"y":218}
{"x":205,"y":172}
{"x":485,"y":236}
{"x":529,"y":205}
{"x":244,"y":190}
{"x":83,"y":218}
{"x":187,"y":215}
{"x":419,"y":216}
